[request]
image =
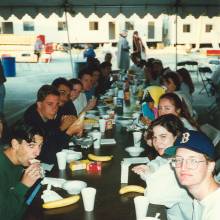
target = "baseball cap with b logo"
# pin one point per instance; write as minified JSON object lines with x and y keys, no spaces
{"x":193,"y":140}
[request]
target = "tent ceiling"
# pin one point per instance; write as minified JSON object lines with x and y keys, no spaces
{"x":114,"y":7}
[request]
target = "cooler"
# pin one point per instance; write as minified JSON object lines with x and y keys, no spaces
{"x":8,"y":64}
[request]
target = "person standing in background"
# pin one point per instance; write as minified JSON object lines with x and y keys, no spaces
{"x":89,"y":52}
{"x":2,"y":98}
{"x":2,"y":89}
{"x":38,"y":46}
{"x":123,"y":52}
{"x":138,"y":46}
{"x":108,"y":57}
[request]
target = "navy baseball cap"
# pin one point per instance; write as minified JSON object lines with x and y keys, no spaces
{"x":193,"y":140}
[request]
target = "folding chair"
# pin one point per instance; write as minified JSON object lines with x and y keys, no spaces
{"x":205,"y":75}
{"x":192,"y":67}
{"x":212,"y":132}
{"x":182,"y":64}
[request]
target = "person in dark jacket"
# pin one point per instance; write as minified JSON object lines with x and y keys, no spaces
{"x":104,"y":82}
{"x":43,"y":114}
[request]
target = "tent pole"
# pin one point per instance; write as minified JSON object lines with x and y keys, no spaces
{"x":176,"y":18}
{"x":69,"y":44}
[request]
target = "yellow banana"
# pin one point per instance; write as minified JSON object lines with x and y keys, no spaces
{"x":61,"y":202}
{"x":131,"y":188}
{"x":99,"y":158}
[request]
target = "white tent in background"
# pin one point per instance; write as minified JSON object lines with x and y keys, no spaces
{"x":114,"y":7}
{"x":181,"y":8}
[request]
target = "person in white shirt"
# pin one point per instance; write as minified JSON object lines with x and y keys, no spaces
{"x":38,"y":46}
{"x":123,"y":58}
{"x":162,"y":185}
{"x":194,"y":164}
{"x":78,"y":97}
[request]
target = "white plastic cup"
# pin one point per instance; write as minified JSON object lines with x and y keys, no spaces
{"x":102,"y":125}
{"x":137,"y":138}
{"x":97,"y":139}
{"x":116,"y":91}
{"x":141,"y":204}
{"x":61,"y":160}
{"x":111,"y":92}
{"x":115,"y":101}
{"x":88,"y":195}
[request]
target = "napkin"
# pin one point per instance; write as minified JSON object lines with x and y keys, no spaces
{"x":72,"y":152}
{"x":56,"y":182}
{"x":108,"y":141}
{"x":50,"y":195}
{"x":47,"y":167}
{"x":135,"y":160}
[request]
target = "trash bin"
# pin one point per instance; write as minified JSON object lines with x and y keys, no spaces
{"x":8,"y":64}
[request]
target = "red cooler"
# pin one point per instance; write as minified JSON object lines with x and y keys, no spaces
{"x":49,"y":48}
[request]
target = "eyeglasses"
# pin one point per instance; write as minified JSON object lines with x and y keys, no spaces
{"x":190,"y":163}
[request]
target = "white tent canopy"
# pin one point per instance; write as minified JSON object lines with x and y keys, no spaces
{"x":113,"y":7}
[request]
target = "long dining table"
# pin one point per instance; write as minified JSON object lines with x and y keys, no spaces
{"x":109,"y":204}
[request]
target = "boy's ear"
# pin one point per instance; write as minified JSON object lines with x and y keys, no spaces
{"x":211,"y":166}
{"x":39,"y":105}
{"x":15,"y":144}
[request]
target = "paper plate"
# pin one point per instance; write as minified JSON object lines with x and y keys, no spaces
{"x":74,"y":187}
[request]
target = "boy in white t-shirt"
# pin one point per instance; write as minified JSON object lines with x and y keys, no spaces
{"x":194,"y":165}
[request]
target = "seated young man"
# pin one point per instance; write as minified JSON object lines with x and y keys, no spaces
{"x":105,"y":78}
{"x":85,"y":100}
{"x":64,"y":88}
{"x":43,"y":114}
{"x":25,"y":145}
{"x":194,"y":165}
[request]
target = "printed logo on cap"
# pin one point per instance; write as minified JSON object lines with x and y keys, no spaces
{"x":185,"y":137}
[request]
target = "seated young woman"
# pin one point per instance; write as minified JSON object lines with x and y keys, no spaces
{"x":170,"y":103}
{"x":162,"y":185}
{"x":172,"y":82}
{"x":186,"y":82}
